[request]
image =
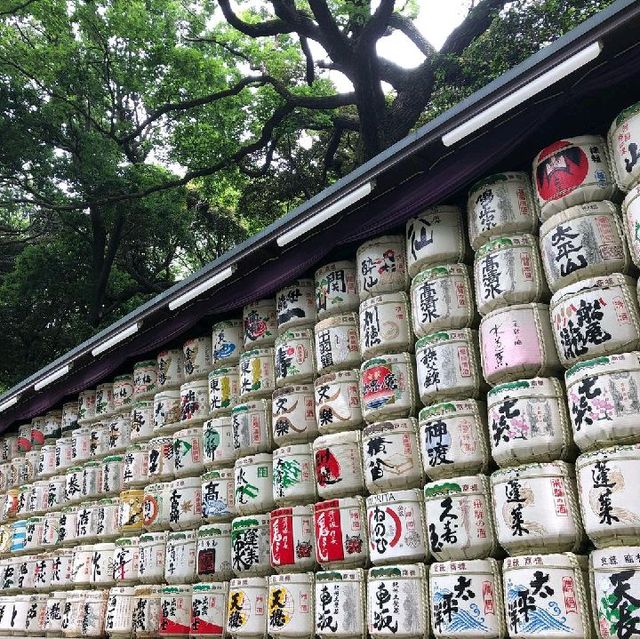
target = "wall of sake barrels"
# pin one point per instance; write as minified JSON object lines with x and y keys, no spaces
{"x":439,"y":437}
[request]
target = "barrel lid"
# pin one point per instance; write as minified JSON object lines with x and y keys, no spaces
{"x":348,"y":319}
{"x":167,"y":394}
{"x":400,"y":571}
{"x":255,"y":582}
{"x":615,"y":558}
{"x":604,"y":365}
{"x":511,"y":176}
{"x":535,"y":307}
{"x":123,"y":378}
{"x":537,"y":386}
{"x":340,"y":502}
{"x":293,"y":449}
{"x":221,"y":473}
{"x":445,"y":337}
{"x":591,"y":284}
{"x":468,"y":485}
{"x":150,"y":537}
{"x":249,"y":521}
{"x":603,"y":207}
{"x":506,"y":242}
{"x":297,"y":388}
{"x":257,"y":405}
{"x":210,"y":586}
{"x":127,"y":541}
{"x":296,"y":578}
{"x":385,"y":360}
{"x":335,"y":266}
{"x":437,"y":272}
{"x":286,"y":511}
{"x":355,"y":574}
{"x":532,"y":471}
{"x":214,"y":530}
{"x":438,"y":209}
{"x":394,"y":496}
{"x":604,"y":454}
{"x":250,"y":460}
{"x":352,"y":437}
{"x":294,"y":334}
{"x":402,"y":425}
{"x":223,"y":370}
{"x":553,"y":560}
{"x":451,"y":408}
{"x":146,"y":364}
{"x":398,"y":297}
{"x":347,"y":376}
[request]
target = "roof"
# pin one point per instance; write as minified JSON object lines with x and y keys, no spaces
{"x":416,"y":172}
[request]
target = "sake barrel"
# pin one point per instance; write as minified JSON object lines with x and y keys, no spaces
{"x":145,"y":379}
{"x":507,"y":271}
{"x":442,"y":299}
{"x":382,"y":266}
{"x":458,"y":518}
{"x":175,"y":611}
{"x":293,"y":415}
{"x":194,"y":402}
{"x":466,"y":599}
{"x":68,"y":525}
{"x":170,"y":365}
{"x":91,"y":479}
{"x":554,"y":591}
{"x":122,"y":392}
{"x":218,"y":500}
{"x":622,"y":142}
{"x":291,"y":539}
{"x":47,"y":461}
{"x":51,"y":530}
{"x":135,"y":466}
{"x":253,"y":484}
{"x":61,"y":569}
{"x":112,"y":478}
{"x":24,"y":438}
{"x":436,"y":236}
{"x":86,"y":524}
{"x":217,"y":442}
{"x":99,"y":440}
{"x":208,"y":610}
{"x":251,"y":427}
{"x":293,"y":476}
{"x":187,"y":452}
{"x":338,"y":464}
{"x":104,"y":400}
{"x":166,"y":411}
{"x":397,"y":602}
{"x":69,"y":418}
{"x":294,"y":357}
{"x":257,"y":373}
{"x":337,"y":401}
{"x":391,"y":456}
{"x":516,"y":343}
{"x":142,"y":420}
{"x":448,"y":366}
{"x":82,"y":556}
{"x":180,"y":557}
{"x":296,"y":305}
{"x":160,"y":458}
{"x":126,"y":560}
{"x":290,"y":605}
{"x":340,"y":533}
{"x":79,"y":449}
{"x":340,"y":603}
{"x":56,"y":602}
{"x":396,"y":527}
{"x":213,"y":552}
{"x":631,"y":221}
{"x":146,"y":611}
{"x":246,"y":608}
{"x":337,"y":343}
{"x":572,"y":171}
{"x":107,"y":514}
{"x":9,"y":448}
{"x":608,"y":492}
{"x":119,"y":616}
{"x":102,"y":565}
{"x":250,"y":545}
{"x":155,"y":506}
{"x":53,"y":425}
{"x":18,"y":623}
{"x":196,"y":358}
{"x":385,"y":324}
{"x":584,"y":241}
{"x":452,"y":438}
{"x":224,"y":390}
{"x":151,"y":561}
{"x":528,"y":421}
{"x":73,"y":485}
{"x":86,"y":405}
{"x":615,"y":584}
{"x":536,"y":508}
{"x":335,"y":288}
{"x":227,"y":342}
{"x":388,"y":387}
{"x":73,"y":613}
{"x":185,"y":503}
{"x":500,"y":204}
{"x":260,"y":324}
{"x":130,"y":511}
{"x":598,"y":316}
{"x":38,"y":426}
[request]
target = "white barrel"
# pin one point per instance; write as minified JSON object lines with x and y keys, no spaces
{"x":38,"y":428}
{"x":194,"y":402}
{"x":213,"y":552}
{"x":102,"y":565}
{"x":508,"y":270}
{"x":104,"y":400}
{"x":217,"y":442}
{"x":336,"y":290}
{"x":388,"y":387}
{"x":291,"y":539}
{"x":466,"y":599}
{"x":448,"y":366}
{"x":73,"y":612}
{"x":251,"y":427}
{"x":170,"y":364}
{"x":609,"y":498}
{"x":391,"y":456}
{"x":536,"y":508}
{"x":166,"y":411}
{"x":145,"y":379}
{"x":340,"y":603}
{"x":250,"y":545}
{"x":56,"y":602}
{"x":24,"y":437}
{"x":246,"y":608}
{"x":397,"y":602}
{"x":80,"y":448}
{"x":631,"y":222}
{"x":112,"y":479}
{"x":51,"y":530}
{"x":337,"y":401}
{"x":135,"y":466}
{"x":293,"y":415}
{"x":4,"y":477}
{"x":528,"y":421}
{"x":185,"y":503}
{"x":209,"y":610}
{"x":516,"y":342}
{"x":253,"y":484}
{"x":62,"y":569}
{"x":73,"y":484}
{"x":35,"y":528}
{"x":82,"y":557}
{"x":453,"y":438}
{"x":224,"y":390}
{"x":257,"y":373}
{"x":99,"y":441}
{"x":396,"y":527}
{"x":126,"y":560}
{"x":160,"y":458}
{"x":196,"y":358}
{"x":142,"y":423}
{"x":155,"y":506}
{"x":47,"y":461}
{"x":26,"y":573}
{"x":24,"y":503}
{"x":340,"y":532}
{"x":459,"y":520}
{"x":385,"y":324}
{"x":187,"y":452}
{"x":68,"y":525}
{"x":598,"y":316}
{"x":337,"y":343}
{"x":69,"y":418}
{"x":53,"y":425}
{"x":218,"y":495}
{"x":436,"y":236}
{"x":296,"y":305}
{"x":130,"y":511}
{"x":260,"y":324}
{"x":175,"y":611}
{"x":122,"y":392}
{"x":86,"y":521}
{"x":442,"y":299}
{"x":547,"y":596}
{"x":499,"y":205}
{"x":16,"y":471}
{"x":86,"y":405}
{"x":8,"y":448}
{"x":382,"y":266}
{"x":91,"y":479}
{"x":153,"y":550}
{"x":107,"y":514}
{"x":227,"y":342}
{"x":180,"y":557}
{"x":572,"y":171}
{"x":146,"y":611}
{"x":293,"y":475}
{"x":622,"y":142}
{"x":119,"y":617}
{"x":338,"y":464}
{"x":290,"y":606}
{"x":294,"y":357}
{"x":38,"y":502}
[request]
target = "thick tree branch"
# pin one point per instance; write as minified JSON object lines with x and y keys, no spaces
{"x":254,"y":30}
{"x":376,"y":26}
{"x":18,"y":7}
{"x":310,"y":74}
{"x":334,"y":41}
{"x":407,"y":26}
